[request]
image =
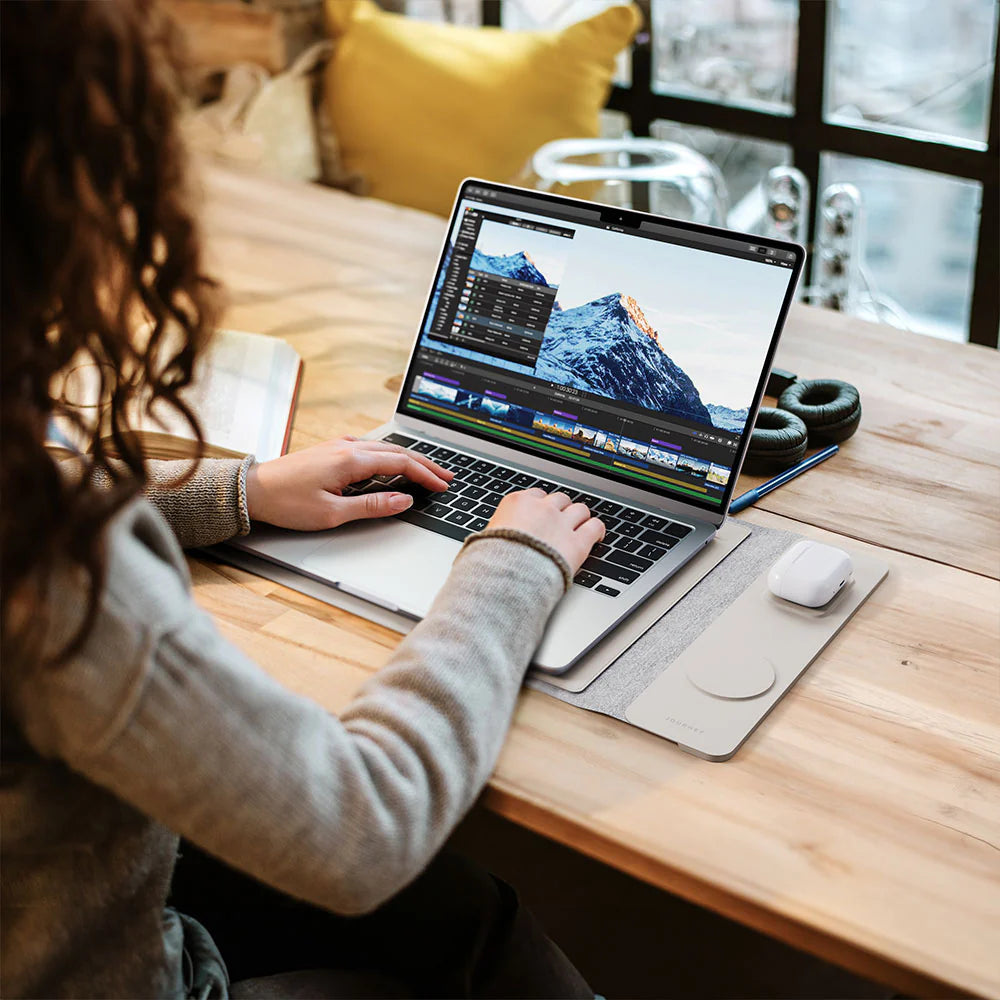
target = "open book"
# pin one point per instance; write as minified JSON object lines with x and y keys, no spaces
{"x":244,"y":395}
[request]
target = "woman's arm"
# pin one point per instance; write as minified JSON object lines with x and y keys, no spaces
{"x":302,"y":490}
{"x":343,"y":812}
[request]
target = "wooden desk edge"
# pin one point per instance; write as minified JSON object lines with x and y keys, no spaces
{"x":579,"y":837}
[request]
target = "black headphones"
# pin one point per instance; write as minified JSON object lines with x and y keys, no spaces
{"x":809,"y":412}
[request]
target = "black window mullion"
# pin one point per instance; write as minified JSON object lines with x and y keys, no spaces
{"x":984,"y":315}
{"x":491,"y":13}
{"x":801,"y":135}
{"x":641,"y":111}
{"x":641,"y":108}
{"x":724,"y":117}
{"x":807,"y":122}
{"x":984,"y":312}
{"x":907,"y":151}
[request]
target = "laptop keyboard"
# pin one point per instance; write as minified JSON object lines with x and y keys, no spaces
{"x":633,"y":543}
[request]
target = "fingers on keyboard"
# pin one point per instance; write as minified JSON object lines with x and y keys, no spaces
{"x":632,"y":544}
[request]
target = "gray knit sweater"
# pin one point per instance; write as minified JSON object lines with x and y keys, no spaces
{"x":160,"y":727}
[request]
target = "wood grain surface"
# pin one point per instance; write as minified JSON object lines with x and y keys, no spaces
{"x":861,"y":821}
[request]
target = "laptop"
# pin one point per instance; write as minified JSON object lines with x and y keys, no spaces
{"x":612,"y":354}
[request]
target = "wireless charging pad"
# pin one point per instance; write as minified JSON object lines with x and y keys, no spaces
{"x":721,"y":687}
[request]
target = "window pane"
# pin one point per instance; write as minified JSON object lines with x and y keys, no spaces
{"x":913,"y":66}
{"x":615,"y":124}
{"x":727,"y":51}
{"x":468,"y":12}
{"x":744,"y":163}
{"x":920,"y":241}
{"x":526,"y":15}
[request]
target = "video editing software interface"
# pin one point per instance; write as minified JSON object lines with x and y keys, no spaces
{"x":634,"y":352}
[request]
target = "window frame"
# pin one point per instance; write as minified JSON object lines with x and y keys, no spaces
{"x":808,"y":134}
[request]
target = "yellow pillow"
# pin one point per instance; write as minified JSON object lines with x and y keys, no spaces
{"x":418,"y":106}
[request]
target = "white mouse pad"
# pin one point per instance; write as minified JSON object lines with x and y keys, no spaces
{"x":712,"y":696}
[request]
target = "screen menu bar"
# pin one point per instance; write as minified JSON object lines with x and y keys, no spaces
{"x":649,"y":229}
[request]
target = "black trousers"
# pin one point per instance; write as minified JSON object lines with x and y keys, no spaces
{"x":456,"y":931}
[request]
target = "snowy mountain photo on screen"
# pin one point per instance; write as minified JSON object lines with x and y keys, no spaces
{"x":727,"y":419}
{"x":678,"y":331}
{"x":671,"y":329}
{"x":608,"y":347}
{"x":520,"y":253}
{"x":516,"y":265}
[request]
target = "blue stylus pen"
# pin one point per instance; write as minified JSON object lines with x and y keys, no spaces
{"x":749,"y":498}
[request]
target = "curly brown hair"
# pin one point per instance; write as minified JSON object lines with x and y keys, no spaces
{"x":98,"y":245}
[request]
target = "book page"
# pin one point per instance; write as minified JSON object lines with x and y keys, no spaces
{"x":243,"y":394}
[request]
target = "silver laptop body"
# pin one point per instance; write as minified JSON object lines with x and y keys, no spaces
{"x":467,"y":390}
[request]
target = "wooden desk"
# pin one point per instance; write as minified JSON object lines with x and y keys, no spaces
{"x":861,"y":822}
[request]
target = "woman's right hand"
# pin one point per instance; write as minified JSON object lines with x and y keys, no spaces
{"x":551,"y":518}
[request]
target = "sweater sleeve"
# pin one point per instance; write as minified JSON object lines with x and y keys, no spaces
{"x":342,"y":812}
{"x":210,"y":507}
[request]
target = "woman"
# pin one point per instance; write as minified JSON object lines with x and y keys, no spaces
{"x":127,"y":719}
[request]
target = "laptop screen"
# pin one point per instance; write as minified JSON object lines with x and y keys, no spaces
{"x":636,"y":351}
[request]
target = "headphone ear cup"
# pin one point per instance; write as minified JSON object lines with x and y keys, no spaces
{"x":778,"y":441}
{"x":831,"y":409}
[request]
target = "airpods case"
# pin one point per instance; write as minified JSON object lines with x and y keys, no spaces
{"x":810,"y":574}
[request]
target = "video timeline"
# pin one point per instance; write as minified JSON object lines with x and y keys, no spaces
{"x":661,"y":463}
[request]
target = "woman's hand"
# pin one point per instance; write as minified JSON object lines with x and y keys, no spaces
{"x":303,"y":490}
{"x":550,"y":517}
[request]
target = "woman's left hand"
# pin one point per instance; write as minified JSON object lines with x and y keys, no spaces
{"x":303,"y":490}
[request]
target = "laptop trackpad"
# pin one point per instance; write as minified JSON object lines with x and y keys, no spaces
{"x":391,"y":562}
